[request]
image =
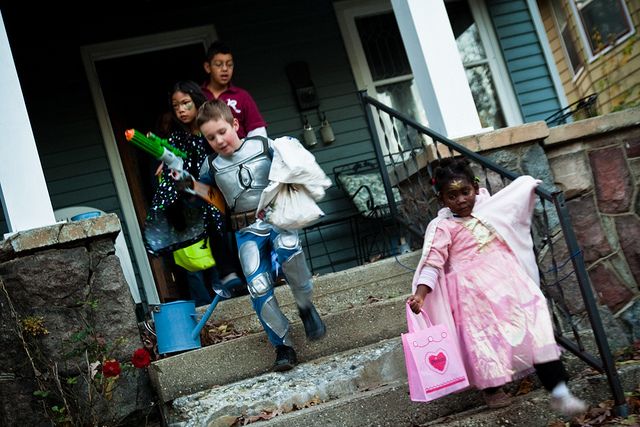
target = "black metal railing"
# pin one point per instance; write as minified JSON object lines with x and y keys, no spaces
{"x":406,"y":151}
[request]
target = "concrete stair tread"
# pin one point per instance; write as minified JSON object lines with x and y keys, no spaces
{"x":384,"y":279}
{"x":324,"y":379}
{"x":218,"y":364}
{"x":389,"y":405}
{"x":529,"y":410}
{"x":243,"y":318}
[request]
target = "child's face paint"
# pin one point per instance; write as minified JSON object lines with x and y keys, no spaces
{"x":459,"y":196}
{"x":183,"y":107}
{"x":456,"y":184}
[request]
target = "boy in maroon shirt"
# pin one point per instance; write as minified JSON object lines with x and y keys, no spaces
{"x":219,"y":65}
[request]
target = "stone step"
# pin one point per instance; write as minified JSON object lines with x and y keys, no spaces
{"x":382,"y":280}
{"x":367,"y":387}
{"x":253,"y":355}
{"x":369,"y":382}
{"x":532,"y":409}
{"x":324,"y":379}
{"x":353,"y":319}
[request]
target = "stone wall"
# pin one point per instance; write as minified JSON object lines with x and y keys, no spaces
{"x":596,"y":162}
{"x":60,"y":287}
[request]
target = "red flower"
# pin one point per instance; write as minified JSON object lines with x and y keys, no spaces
{"x":141,"y":358}
{"x":111,"y":368}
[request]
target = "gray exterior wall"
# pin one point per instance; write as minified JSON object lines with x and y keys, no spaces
{"x":265,"y":37}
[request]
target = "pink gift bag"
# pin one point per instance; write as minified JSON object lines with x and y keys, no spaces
{"x":432,"y":358}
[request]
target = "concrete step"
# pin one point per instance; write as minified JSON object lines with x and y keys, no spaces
{"x":367,"y":388}
{"x":368,"y":382}
{"x":324,"y":379}
{"x":354,"y":376}
{"x":253,"y":355}
{"x":351,"y":323}
{"x":532,"y":409}
{"x":385,"y":279}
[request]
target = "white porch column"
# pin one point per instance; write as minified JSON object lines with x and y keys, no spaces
{"x":437,"y":68}
{"x":25,"y":198}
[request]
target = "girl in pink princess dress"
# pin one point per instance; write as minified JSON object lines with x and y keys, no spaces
{"x":478,"y":276}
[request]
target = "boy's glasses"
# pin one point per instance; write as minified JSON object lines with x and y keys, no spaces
{"x":220,"y":64}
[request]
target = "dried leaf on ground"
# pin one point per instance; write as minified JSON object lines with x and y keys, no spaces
{"x":312,"y":402}
{"x":217,"y":332}
{"x":267,"y":415}
{"x":374,"y":258}
{"x":525,"y":386}
{"x":262,"y":416}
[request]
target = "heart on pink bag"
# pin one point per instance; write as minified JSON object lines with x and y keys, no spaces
{"x":437,"y":361}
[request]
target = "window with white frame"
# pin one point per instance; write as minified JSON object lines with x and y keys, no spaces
{"x":388,"y":74}
{"x":604,"y":23}
{"x":567,"y":38}
{"x":380,"y":63}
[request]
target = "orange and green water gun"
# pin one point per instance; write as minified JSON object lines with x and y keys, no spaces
{"x":158,"y":147}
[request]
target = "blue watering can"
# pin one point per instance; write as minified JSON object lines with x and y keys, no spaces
{"x":177,"y":325}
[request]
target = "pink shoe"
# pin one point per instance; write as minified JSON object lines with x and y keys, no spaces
{"x":569,"y":405}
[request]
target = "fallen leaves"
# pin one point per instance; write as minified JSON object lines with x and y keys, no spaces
{"x":262,"y":416}
{"x":603,"y":415}
{"x":217,"y":332}
{"x":267,"y":415}
{"x":525,"y":386}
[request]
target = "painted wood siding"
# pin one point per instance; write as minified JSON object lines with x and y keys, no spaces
{"x":4,"y":228}
{"x":72,"y":155}
{"x":524,"y":57}
{"x":266,"y":36}
{"x":305,"y":31}
{"x":614,"y":74}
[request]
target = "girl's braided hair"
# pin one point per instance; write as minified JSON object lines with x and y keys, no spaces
{"x":450,"y":169}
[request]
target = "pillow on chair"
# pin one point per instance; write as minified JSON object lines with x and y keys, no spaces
{"x":367,"y":192}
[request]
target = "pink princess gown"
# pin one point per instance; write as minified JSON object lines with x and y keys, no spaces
{"x":500,"y":315}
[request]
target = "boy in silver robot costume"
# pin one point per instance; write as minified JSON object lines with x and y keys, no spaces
{"x":241,"y":172}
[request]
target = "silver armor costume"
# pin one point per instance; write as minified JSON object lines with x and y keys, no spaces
{"x":241,"y":178}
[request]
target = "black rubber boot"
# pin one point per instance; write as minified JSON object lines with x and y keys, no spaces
{"x":285,"y":358}
{"x":313,"y":325}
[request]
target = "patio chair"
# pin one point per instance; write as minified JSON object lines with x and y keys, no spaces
{"x":581,"y":109}
{"x":362,"y":182}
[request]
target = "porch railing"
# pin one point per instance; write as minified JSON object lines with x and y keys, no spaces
{"x":406,"y":150}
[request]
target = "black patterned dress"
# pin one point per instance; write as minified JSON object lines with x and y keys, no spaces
{"x":175,"y":218}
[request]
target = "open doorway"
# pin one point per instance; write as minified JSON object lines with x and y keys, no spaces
{"x":130,"y":82}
